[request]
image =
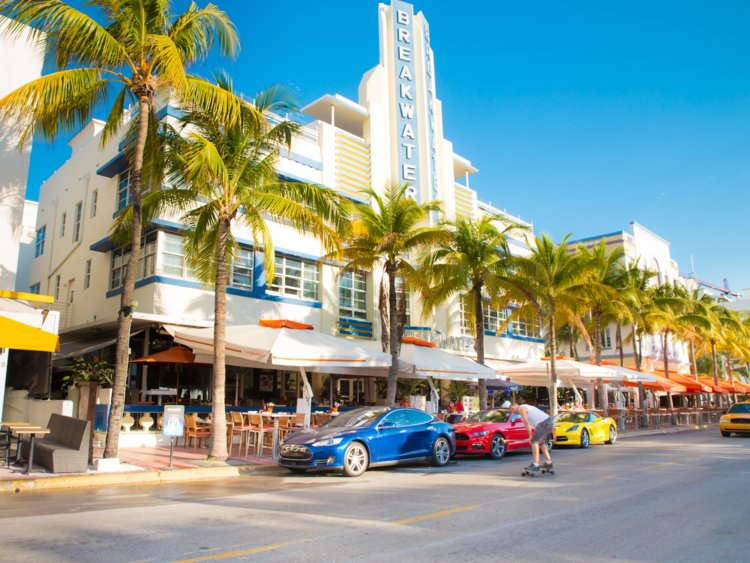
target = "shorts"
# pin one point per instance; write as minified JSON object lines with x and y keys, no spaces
{"x":543,"y":431}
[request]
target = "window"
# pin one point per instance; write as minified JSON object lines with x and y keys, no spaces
{"x":407,"y":297}
{"x":36,"y":288}
{"x":242,"y":270}
{"x":39,"y":241}
{"x":63,"y":220}
{"x":527,"y":327}
{"x":494,"y":317}
{"x":353,"y":295}
{"x":57,"y":287}
{"x":296,"y":278}
{"x":87,"y":275}
{"x":173,"y":257}
{"x":606,"y":339}
{"x":77,"y":221}
{"x":94,"y":202}
{"x":124,"y":195}
{"x":146,"y":263}
{"x":466,"y":318}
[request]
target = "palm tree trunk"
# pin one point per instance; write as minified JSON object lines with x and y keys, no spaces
{"x":553,"y":365}
{"x":637,"y":360}
{"x":693,"y":368}
{"x":666,"y":367}
{"x":124,"y":315}
{"x":715,"y":363}
{"x":390,"y":270}
{"x":479,"y":341}
{"x":603,"y":400}
{"x":618,"y":338}
{"x":218,"y":451}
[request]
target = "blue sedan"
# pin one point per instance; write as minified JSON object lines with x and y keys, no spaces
{"x":369,"y":437}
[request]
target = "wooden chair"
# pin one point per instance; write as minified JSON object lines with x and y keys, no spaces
{"x":193,"y":432}
{"x":321,"y":418}
{"x":299,"y":419}
{"x":258,"y":432}
{"x":240,"y":426}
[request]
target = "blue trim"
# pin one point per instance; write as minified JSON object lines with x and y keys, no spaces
{"x":114,"y":166}
{"x":355,"y":327}
{"x":102,"y":245}
{"x":304,"y":160}
{"x":291,"y":300}
{"x":597,"y":237}
{"x":417,"y":328}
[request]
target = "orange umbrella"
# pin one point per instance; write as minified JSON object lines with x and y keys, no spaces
{"x":692,"y":385}
{"x":173,"y":355}
{"x":661,"y":384}
{"x":710,"y":382}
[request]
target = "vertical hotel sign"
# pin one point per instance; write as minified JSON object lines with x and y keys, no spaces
{"x":429,"y":86}
{"x":406,"y":111}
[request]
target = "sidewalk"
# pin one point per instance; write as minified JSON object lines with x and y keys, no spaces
{"x":138,"y":466}
{"x":150,"y":465}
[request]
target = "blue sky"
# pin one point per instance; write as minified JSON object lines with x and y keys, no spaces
{"x":581,"y":115}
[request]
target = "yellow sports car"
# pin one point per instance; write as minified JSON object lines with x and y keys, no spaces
{"x":580,"y":428}
{"x":736,"y":420}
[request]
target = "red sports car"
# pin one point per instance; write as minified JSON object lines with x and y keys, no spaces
{"x":492,"y":432}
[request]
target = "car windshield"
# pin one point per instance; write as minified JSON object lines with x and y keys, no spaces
{"x":357,"y":418}
{"x":741,"y":408}
{"x":572,"y":417}
{"x":488,"y":416}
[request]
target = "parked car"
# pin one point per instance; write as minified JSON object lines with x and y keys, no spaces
{"x":492,"y":432}
{"x":736,"y":419}
{"x":369,"y":437}
{"x":581,"y":428}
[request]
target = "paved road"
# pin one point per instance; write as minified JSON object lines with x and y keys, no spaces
{"x":679,"y":497}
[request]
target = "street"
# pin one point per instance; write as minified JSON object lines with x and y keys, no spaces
{"x":676,"y":497}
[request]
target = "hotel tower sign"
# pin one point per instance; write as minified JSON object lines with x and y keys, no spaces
{"x":406,"y":111}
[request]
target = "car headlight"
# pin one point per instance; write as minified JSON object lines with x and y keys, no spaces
{"x":328,"y":442}
{"x":572,"y":428}
{"x":482,"y":433}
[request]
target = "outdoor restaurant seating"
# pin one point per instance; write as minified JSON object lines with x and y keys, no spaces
{"x":65,"y":449}
{"x":193,"y":432}
{"x":258,"y":432}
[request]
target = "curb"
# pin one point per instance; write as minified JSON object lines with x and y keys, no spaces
{"x":660,"y":431}
{"x":130,"y":478}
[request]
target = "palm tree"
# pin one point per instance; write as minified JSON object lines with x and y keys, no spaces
{"x":473,"y":258}
{"x":605,"y":303}
{"x":551,"y":284}
{"x":387,"y":234}
{"x":139,"y":48}
{"x":224,"y":175}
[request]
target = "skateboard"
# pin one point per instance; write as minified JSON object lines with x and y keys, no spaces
{"x":542,"y":471}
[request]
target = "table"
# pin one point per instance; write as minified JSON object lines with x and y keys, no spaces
{"x":10,"y":425}
{"x":33,"y":432}
{"x":159,"y":393}
{"x":275,"y":436}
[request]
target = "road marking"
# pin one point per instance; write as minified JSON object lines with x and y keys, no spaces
{"x":436,"y":514}
{"x":238,"y":553}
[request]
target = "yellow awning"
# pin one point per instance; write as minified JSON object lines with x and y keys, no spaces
{"x":20,"y":336}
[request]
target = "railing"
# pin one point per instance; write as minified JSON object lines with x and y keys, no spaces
{"x":632,"y":420}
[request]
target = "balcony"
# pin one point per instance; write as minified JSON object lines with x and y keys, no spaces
{"x":354,"y":328}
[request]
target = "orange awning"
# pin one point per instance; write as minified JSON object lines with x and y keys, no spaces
{"x":284,"y":323}
{"x":692,"y":385}
{"x":418,"y":342}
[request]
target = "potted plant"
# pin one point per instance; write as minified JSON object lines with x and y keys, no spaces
{"x":85,"y":375}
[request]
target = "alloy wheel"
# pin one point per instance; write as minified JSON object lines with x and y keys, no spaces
{"x":442,"y":452}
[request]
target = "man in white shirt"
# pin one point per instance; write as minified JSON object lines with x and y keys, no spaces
{"x":540,"y":426}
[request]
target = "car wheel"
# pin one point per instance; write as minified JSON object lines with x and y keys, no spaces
{"x":612,"y":435}
{"x":441,"y":452}
{"x":726,"y":434}
{"x":585,"y":438}
{"x":497,"y":447}
{"x":356,"y":459}
{"x":298,"y":470}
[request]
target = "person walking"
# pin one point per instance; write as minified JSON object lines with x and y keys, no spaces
{"x":539,"y":426}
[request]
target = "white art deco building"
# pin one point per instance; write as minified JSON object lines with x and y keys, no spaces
{"x":392,"y":133}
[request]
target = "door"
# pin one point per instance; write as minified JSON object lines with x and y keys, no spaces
{"x":390,"y":440}
{"x":420,"y":434}
{"x":518,"y":436}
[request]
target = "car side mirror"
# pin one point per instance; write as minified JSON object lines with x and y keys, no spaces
{"x":387,"y":424}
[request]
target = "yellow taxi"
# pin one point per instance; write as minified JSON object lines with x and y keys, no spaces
{"x":737,"y":420}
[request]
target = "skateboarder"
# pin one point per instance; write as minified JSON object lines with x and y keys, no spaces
{"x":540,"y":426}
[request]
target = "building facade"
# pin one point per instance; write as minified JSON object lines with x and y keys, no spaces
{"x":20,"y":62}
{"x":651,"y":252}
{"x":393,"y":133}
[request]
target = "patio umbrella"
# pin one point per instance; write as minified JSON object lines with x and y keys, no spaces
{"x":627,"y":374}
{"x":709,"y":381}
{"x":283,"y":344}
{"x":691,"y":384}
{"x":537,"y":372}
{"x":178,"y":355}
